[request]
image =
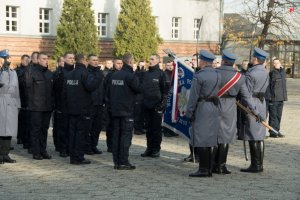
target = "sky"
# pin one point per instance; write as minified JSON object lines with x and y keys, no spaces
{"x":233,"y":6}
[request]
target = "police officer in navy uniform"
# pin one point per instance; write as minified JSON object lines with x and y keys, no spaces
{"x":155,"y":91}
{"x":257,"y":81}
{"x":61,"y":111}
{"x":118,"y":64}
{"x":79,"y":85}
{"x":98,"y":99}
{"x":39,"y":83}
{"x":123,"y":88}
{"x":202,"y":109}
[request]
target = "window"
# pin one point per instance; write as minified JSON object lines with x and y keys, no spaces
{"x":45,"y":20}
{"x":102,"y":24}
{"x":11,"y":19}
{"x":196,"y":28}
{"x":175,"y":27}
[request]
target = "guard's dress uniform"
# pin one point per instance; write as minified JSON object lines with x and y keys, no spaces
{"x":202,"y":109}
{"x":79,"y":85}
{"x":23,"y":122}
{"x":155,"y":91}
{"x":257,"y":80}
{"x":61,"y":117}
{"x":98,"y":99}
{"x":123,"y":88}
{"x":39,"y":82}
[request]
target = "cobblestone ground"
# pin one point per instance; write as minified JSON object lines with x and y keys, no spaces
{"x":163,"y":178}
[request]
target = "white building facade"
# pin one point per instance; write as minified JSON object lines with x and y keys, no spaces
{"x":28,"y":25}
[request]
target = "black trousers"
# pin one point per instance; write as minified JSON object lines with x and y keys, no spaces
{"x":122,"y":136}
{"x":153,"y":134}
{"x":62,"y":124}
{"x":39,"y":124}
{"x":96,"y":126}
{"x":79,"y":126}
{"x":109,"y":131}
{"x":24,"y":127}
{"x":55,"y":130}
{"x":275,"y":113}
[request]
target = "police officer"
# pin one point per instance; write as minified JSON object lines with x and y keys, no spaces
{"x":155,"y":94}
{"x":202,"y":109}
{"x":79,"y":86}
{"x":23,"y":126}
{"x":61,"y":119}
{"x":123,"y":88}
{"x":98,"y":99}
{"x":39,"y":82}
{"x":228,"y":109}
{"x":277,"y":95}
{"x":118,"y":63}
{"x":257,"y":81}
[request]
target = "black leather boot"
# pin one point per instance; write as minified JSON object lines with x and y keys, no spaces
{"x":261,"y":151}
{"x":6,"y":149}
{"x":190,"y":158}
{"x":255,"y":165}
{"x":205,"y":162}
{"x":221,"y":159}
{"x":147,"y":153}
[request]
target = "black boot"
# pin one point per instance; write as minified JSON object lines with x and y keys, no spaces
{"x":205,"y":162}
{"x":1,"y":151}
{"x":255,"y":165}
{"x":220,"y":160}
{"x":6,"y":149}
{"x":190,"y":158}
{"x":261,"y":151}
{"x":147,"y":153}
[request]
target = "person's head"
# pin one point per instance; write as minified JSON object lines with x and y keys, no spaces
{"x":81,"y":58}
{"x":34,"y":57}
{"x":134,"y":67}
{"x":128,"y":59}
{"x":154,"y":60}
{"x":42,"y":59}
{"x":206,"y":58}
{"x":141,"y":64}
{"x":169,"y":66}
{"x":245,"y":64}
{"x":276,"y":63}
{"x":217,"y":63}
{"x":109,"y":64}
{"x":93,"y":60}
{"x":69,"y":58}
{"x":259,"y":57}
{"x":60,"y":62}
{"x":194,"y":61}
{"x":187,"y":62}
{"x":25,"y":60}
{"x":118,"y":63}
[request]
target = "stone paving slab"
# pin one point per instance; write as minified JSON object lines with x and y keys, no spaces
{"x":165,"y":178}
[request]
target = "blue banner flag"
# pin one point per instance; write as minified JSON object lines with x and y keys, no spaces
{"x":174,"y":116}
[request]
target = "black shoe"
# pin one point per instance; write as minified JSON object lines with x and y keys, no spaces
{"x":83,"y":162}
{"x":273,"y":135}
{"x":201,"y":173}
{"x":139,"y":132}
{"x":7,"y":159}
{"x":37,"y":157}
{"x":147,"y":153}
{"x":280,"y":135}
{"x":96,"y":151}
{"x":155,"y":154}
{"x":46,"y":156}
{"x":11,"y":148}
{"x":252,"y":169}
{"x":63,"y":154}
{"x":116,"y":166}
{"x":221,"y":170}
{"x":126,"y":167}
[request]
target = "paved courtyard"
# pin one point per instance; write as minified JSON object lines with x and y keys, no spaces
{"x":162,"y":178}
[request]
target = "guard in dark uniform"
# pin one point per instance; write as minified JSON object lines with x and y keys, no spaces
{"x":202,"y":109}
{"x":155,"y":91}
{"x":61,"y":112}
{"x":39,"y":83}
{"x":123,"y":88}
{"x":97,"y":97}
{"x":23,"y":125}
{"x":79,"y":85}
{"x":257,"y":81}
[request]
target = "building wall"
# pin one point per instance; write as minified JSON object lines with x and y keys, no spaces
{"x":27,"y":38}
